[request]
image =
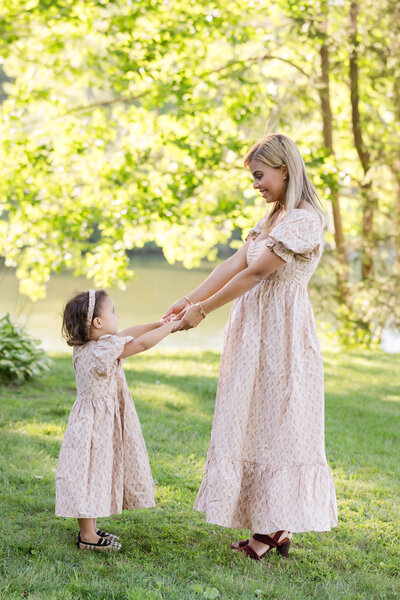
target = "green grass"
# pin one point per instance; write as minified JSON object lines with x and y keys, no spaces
{"x":169,"y":552}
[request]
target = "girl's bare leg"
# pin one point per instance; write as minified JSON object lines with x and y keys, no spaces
{"x":87,"y":530}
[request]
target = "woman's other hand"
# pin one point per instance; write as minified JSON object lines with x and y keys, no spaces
{"x":176,"y":309}
{"x":189,"y":319}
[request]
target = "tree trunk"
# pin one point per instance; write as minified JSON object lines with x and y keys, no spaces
{"x":327,"y":123}
{"x":396,"y":173}
{"x":368,"y":201}
{"x":367,"y":255}
{"x":394,"y":7}
{"x":327,"y":130}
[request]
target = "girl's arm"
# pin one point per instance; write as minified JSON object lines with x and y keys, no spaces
{"x":147,"y":340}
{"x":266,"y":263}
{"x":214,"y":282}
{"x":139,"y":330}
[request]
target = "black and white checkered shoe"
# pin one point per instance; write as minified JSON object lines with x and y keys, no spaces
{"x":106,"y":535}
{"x":102,"y":545}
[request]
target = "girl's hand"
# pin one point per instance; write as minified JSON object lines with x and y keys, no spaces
{"x":189,"y":319}
{"x":176,"y":309}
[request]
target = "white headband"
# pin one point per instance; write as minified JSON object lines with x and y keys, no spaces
{"x":92,"y":302}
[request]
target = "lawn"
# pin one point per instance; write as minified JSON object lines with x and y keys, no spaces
{"x":169,"y":552}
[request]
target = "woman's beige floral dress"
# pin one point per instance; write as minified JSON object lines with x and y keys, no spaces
{"x":266,"y":467}
{"x":103,"y":465}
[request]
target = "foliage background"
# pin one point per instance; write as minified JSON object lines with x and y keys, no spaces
{"x":125,"y":123}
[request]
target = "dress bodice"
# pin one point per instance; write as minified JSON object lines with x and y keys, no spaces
{"x":98,"y":369}
{"x":298,"y":239}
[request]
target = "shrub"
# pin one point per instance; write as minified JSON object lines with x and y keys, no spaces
{"x":21,"y":357}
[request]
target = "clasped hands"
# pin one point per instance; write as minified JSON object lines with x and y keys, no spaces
{"x":185,"y":314}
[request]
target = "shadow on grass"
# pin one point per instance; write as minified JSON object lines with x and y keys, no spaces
{"x":170,"y":547}
{"x":359,"y":425}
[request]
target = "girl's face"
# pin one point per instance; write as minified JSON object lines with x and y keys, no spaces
{"x":269,"y":181}
{"x":107,"y":321}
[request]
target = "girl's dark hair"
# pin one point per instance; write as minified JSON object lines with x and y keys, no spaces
{"x":74,"y":328}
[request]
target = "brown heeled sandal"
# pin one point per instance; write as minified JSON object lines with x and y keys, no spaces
{"x":282,"y":547}
{"x":240,"y":544}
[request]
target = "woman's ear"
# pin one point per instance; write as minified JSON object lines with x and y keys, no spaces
{"x":284,"y":171}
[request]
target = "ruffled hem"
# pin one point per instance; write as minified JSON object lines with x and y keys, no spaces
{"x":95,"y":514}
{"x":267,"y":498}
{"x":69,"y":504}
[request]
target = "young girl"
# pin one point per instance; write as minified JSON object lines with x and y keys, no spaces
{"x":103,"y":465}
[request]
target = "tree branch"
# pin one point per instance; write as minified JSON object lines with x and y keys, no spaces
{"x":254,"y":59}
{"x":131,"y":99}
{"x":244,"y":62}
{"x":105,"y":103}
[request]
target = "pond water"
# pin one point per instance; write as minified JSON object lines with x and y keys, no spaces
{"x":155,"y":287}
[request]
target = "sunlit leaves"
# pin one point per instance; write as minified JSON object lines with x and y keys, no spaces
{"x":127,"y":122}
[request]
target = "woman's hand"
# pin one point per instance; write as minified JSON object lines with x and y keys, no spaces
{"x":176,"y":309}
{"x":190,"y":318}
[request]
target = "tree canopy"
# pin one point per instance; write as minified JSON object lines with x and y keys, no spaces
{"x":126,"y":122}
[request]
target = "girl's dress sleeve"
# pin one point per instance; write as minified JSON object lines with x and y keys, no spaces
{"x":107,"y":350}
{"x":299,"y":236}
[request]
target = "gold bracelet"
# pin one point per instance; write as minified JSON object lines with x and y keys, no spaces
{"x":188,"y":299}
{"x":201,"y":309}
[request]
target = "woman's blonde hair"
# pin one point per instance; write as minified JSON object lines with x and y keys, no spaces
{"x":277,"y":150}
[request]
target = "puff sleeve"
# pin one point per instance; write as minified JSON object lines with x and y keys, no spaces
{"x":107,"y":350}
{"x":299,"y":236}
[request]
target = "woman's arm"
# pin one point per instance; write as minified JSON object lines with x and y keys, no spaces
{"x":138,"y":330}
{"x":214,"y":282}
{"x":147,"y":340}
{"x":267,"y":263}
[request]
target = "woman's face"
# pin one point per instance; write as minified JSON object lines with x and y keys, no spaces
{"x":269,"y":181}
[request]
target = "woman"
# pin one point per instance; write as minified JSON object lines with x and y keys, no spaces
{"x":266,"y":467}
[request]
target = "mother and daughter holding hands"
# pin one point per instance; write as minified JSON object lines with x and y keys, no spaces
{"x":266,"y":467}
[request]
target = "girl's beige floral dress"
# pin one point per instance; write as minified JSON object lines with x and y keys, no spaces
{"x":266,"y":467}
{"x":103,"y":465}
